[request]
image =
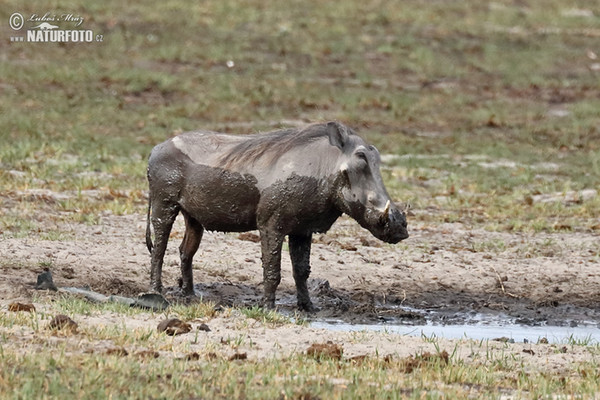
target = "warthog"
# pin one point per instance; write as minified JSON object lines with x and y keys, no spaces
{"x":292,"y":182}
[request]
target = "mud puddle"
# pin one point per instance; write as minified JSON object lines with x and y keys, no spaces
{"x":478,"y":327}
{"x":519,"y":320}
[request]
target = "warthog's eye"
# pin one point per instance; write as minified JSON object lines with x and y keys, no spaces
{"x":361,"y":155}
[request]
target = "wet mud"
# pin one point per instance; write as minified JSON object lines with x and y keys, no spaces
{"x":362,"y":307}
{"x":448,"y":274}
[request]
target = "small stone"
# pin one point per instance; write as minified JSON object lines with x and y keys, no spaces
{"x":204,"y":328}
{"x":151,"y":301}
{"x":16,"y":174}
{"x":504,"y":339}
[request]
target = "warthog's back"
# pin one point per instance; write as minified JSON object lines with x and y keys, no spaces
{"x":268,"y":157}
{"x":220,"y":177}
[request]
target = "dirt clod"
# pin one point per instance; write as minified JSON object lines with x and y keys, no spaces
{"x":325,"y":350}
{"x":174,"y":326}
{"x":239,"y":356}
{"x":117,"y":351}
{"x":192,"y":357}
{"x":249,"y":237}
{"x":368,"y":242}
{"x":414,"y":362}
{"x":348,"y":246}
{"x":62,"y":323}
{"x":147,"y":354}
{"x":68,"y":273}
{"x":359,"y":359}
{"x":16,"y":307}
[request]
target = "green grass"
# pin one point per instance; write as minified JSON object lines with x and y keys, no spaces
{"x":75,"y":305}
{"x":414,"y":78}
{"x":194,"y":311}
{"x":58,"y":373}
{"x":108,"y":360}
{"x":485,"y":105}
{"x":270,"y":317}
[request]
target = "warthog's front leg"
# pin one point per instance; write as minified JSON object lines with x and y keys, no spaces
{"x":163,"y":217}
{"x":300,"y":256}
{"x":271,"y":260}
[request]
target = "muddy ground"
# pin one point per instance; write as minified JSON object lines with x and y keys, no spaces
{"x":446,"y":273}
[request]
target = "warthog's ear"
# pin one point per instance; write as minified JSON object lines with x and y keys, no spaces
{"x":338,"y":136}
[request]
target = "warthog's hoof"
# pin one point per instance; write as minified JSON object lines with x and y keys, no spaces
{"x":308,"y":307}
{"x":188,"y":292}
{"x":269,"y":304}
{"x":156,"y":288}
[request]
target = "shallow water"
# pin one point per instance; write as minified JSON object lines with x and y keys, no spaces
{"x":479,"y":331}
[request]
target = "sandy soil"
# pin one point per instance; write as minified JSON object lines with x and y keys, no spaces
{"x":443,"y":273}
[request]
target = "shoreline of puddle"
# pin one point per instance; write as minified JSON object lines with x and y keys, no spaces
{"x":475,"y":326}
{"x":512,"y":333}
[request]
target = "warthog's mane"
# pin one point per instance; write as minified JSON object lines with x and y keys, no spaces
{"x":268,"y":147}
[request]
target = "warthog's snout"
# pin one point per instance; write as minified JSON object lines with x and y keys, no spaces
{"x":392,"y":223}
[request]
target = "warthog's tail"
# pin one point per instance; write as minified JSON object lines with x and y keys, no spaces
{"x":148,"y":233}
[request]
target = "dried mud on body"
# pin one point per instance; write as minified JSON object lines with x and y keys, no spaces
{"x":446,"y":273}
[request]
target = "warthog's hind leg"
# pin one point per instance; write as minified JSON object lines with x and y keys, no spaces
{"x":187,"y":249}
{"x":300,"y":256}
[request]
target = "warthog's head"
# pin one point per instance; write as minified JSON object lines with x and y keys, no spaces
{"x":360,"y":190}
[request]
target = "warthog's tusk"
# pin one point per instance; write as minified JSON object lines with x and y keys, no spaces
{"x":386,"y":212}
